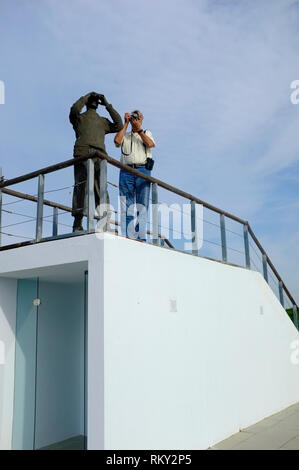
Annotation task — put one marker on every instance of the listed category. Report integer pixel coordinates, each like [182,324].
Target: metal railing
[157,237]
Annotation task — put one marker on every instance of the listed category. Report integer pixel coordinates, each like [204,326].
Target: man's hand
[127,117]
[120,135]
[103,100]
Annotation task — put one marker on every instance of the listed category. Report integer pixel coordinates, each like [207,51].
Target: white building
[136,346]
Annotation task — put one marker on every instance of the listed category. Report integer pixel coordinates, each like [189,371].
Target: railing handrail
[255,239]
[43,171]
[116,163]
[167,186]
[67,163]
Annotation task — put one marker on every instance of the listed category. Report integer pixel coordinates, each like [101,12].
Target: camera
[134,115]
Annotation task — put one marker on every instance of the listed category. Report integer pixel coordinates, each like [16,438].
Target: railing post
[280,287]
[40,208]
[194,228]
[103,193]
[246,244]
[223,238]
[90,194]
[1,177]
[265,267]
[55,222]
[155,214]
[295,312]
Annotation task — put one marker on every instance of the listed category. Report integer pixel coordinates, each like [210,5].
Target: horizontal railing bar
[44,171]
[28,197]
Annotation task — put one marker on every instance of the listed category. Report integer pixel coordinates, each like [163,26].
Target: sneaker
[77,225]
[112,229]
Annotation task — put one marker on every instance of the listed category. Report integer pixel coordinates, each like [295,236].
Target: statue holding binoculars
[90,129]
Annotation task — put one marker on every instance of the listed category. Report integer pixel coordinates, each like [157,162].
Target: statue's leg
[97,194]
[80,174]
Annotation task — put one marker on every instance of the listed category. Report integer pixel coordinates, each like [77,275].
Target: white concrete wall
[95,403]
[182,351]
[194,350]
[32,261]
[8,294]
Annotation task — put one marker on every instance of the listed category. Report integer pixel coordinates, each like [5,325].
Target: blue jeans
[134,189]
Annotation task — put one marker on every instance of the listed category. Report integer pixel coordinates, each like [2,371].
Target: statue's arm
[77,108]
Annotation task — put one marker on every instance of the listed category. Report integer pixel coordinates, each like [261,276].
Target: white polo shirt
[133,150]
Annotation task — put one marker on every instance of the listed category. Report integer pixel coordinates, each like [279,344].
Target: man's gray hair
[136,111]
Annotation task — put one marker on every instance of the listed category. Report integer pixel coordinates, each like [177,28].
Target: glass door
[50,382]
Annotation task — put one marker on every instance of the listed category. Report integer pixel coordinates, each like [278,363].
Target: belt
[134,165]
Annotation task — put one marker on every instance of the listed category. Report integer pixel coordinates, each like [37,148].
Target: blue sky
[212,78]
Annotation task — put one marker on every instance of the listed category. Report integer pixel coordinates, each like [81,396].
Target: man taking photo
[136,153]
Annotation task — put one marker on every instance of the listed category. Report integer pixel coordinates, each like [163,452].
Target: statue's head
[93,102]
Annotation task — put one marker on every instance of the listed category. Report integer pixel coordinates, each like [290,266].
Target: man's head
[93,101]
[134,117]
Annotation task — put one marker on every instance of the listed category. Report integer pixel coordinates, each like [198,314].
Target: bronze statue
[90,129]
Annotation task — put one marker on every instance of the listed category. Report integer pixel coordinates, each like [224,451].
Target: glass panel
[60,389]
[25,365]
[50,384]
